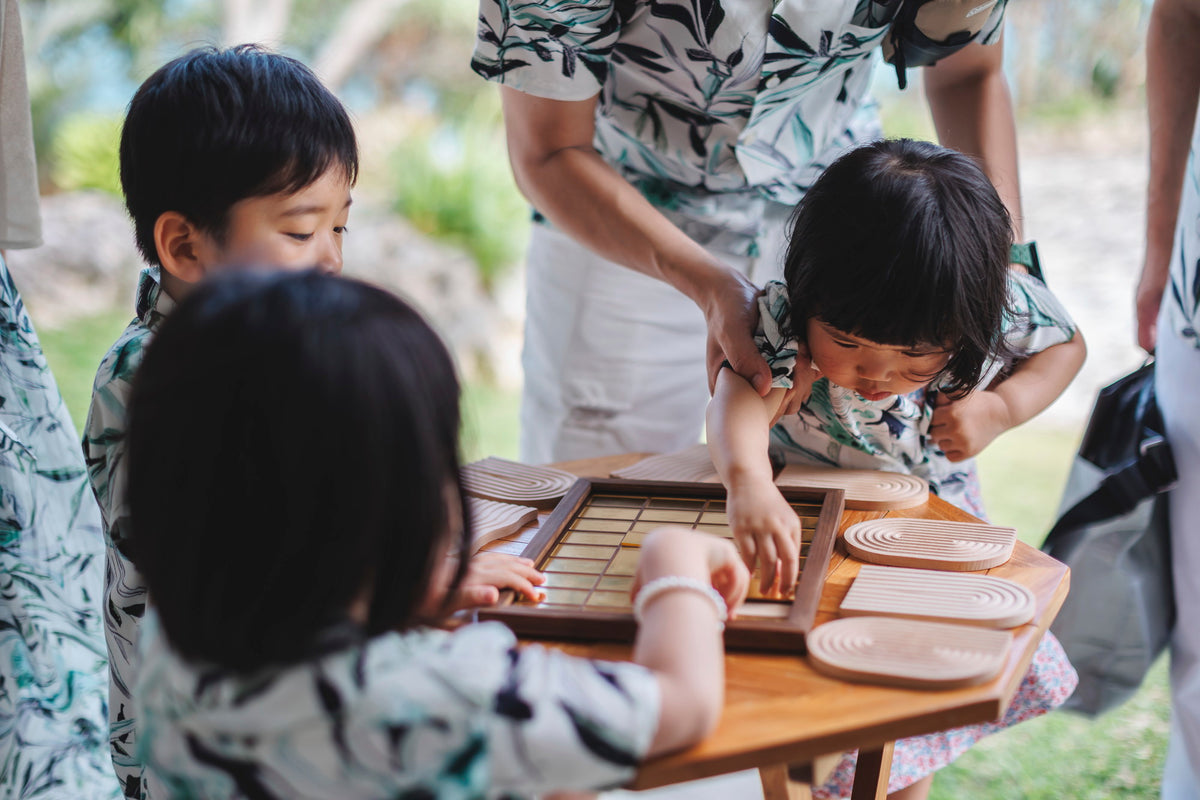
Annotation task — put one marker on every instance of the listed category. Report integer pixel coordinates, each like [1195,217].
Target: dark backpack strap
[1120,492]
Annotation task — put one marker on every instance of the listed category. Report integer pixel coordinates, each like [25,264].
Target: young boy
[228,157]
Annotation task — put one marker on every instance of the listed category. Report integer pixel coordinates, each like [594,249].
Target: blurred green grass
[1056,757]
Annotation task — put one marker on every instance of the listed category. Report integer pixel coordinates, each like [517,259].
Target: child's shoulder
[123,357]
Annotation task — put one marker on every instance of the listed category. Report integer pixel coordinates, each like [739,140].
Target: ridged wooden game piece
[491,520]
[931,543]
[866,489]
[512,482]
[691,465]
[907,653]
[980,600]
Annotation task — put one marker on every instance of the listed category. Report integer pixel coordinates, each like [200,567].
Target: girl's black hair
[904,242]
[214,127]
[292,448]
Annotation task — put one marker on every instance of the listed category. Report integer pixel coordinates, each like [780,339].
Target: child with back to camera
[303,668]
[914,345]
[228,157]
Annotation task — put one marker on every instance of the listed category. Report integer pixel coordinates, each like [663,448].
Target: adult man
[670,140]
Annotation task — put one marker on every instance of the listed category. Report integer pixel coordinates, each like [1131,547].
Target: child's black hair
[216,126]
[292,451]
[904,242]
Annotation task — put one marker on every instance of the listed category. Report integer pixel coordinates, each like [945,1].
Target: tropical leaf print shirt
[711,108]
[53,679]
[1182,296]
[104,452]
[838,427]
[421,714]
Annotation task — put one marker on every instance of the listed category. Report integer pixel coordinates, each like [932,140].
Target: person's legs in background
[1178,389]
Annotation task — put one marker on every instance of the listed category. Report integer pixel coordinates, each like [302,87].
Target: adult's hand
[1147,302]
[731,313]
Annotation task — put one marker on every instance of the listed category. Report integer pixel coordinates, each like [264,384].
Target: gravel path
[1085,207]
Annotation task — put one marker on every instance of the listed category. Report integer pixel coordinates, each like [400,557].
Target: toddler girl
[294,560]
[914,345]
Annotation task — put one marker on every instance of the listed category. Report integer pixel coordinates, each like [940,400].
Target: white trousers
[1177,385]
[614,361]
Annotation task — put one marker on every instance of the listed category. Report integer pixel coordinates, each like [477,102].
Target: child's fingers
[748,547]
[789,559]
[477,595]
[768,559]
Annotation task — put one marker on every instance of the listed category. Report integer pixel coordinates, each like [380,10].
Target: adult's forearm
[1172,86]
[589,201]
[972,111]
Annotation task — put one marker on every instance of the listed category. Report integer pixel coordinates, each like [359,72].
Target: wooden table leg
[871,774]
[776,784]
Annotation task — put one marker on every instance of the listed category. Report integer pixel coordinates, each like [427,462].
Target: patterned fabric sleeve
[1037,321]
[124,590]
[995,24]
[771,335]
[554,50]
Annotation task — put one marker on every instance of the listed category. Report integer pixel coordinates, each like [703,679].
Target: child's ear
[180,245]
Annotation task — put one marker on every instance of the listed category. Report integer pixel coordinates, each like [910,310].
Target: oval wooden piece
[866,489]
[924,594]
[492,520]
[693,465]
[930,543]
[512,482]
[907,653]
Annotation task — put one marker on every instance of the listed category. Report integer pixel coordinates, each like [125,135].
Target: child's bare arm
[679,637]
[962,428]
[765,527]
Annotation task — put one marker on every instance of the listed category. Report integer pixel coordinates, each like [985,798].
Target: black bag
[926,31]
[1113,533]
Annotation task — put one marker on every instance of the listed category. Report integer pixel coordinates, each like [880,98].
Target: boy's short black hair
[217,126]
[293,450]
[904,242]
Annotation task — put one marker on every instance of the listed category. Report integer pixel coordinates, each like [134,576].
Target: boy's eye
[847,345]
[300,237]
[341,230]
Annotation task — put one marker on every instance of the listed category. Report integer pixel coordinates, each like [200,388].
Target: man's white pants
[1177,386]
[614,361]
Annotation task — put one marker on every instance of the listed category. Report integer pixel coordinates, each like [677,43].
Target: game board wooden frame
[775,634]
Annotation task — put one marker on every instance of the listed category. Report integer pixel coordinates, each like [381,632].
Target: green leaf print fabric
[420,714]
[53,686]
[711,108]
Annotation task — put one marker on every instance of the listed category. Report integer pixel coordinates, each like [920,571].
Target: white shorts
[1177,385]
[614,361]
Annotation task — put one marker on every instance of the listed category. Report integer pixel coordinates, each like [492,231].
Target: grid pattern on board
[593,564]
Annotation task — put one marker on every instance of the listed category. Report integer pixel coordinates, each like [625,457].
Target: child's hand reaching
[679,551]
[963,427]
[767,531]
[488,573]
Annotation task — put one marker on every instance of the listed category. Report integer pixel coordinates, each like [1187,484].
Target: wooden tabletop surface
[778,710]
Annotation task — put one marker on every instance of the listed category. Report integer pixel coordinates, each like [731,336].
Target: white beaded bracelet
[670,583]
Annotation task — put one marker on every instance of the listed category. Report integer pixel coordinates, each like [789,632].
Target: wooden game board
[589,548]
